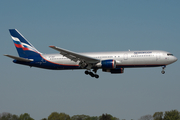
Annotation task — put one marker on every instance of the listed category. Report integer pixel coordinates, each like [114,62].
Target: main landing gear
[163,68]
[91,73]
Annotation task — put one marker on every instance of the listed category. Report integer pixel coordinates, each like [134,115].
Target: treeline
[63,116]
[168,115]
[56,116]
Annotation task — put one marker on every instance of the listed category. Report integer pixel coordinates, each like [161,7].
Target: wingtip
[12,29]
[52,46]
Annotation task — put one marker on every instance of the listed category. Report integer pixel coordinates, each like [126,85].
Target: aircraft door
[125,56]
[158,56]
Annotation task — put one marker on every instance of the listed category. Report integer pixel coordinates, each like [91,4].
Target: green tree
[114,118]
[58,116]
[25,116]
[80,117]
[64,116]
[8,116]
[94,118]
[15,117]
[44,119]
[53,116]
[172,115]
[105,117]
[146,117]
[158,116]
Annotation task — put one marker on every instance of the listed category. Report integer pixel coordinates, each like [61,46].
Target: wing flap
[19,58]
[75,56]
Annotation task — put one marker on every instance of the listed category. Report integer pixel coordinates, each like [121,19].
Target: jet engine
[111,64]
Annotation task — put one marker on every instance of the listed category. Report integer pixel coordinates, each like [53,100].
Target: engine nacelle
[114,71]
[117,70]
[111,64]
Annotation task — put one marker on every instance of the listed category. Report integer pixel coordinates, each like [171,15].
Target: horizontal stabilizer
[19,58]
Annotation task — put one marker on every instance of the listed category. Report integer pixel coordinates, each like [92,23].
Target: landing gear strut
[163,68]
[91,73]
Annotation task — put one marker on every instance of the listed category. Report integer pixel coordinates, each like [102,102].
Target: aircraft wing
[75,56]
[19,58]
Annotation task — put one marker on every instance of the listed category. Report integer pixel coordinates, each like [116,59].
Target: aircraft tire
[162,72]
[86,72]
[96,76]
[91,74]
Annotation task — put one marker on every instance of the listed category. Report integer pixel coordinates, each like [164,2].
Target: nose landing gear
[163,68]
[92,74]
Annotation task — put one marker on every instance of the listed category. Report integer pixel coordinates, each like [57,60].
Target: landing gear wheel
[86,72]
[96,76]
[163,68]
[91,74]
[162,72]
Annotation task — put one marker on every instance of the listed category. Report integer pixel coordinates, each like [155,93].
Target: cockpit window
[169,54]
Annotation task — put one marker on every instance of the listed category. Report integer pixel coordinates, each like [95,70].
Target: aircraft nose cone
[175,59]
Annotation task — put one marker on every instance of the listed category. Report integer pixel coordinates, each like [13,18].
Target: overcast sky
[89,26]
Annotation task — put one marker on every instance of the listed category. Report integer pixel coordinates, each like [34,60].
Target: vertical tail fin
[24,48]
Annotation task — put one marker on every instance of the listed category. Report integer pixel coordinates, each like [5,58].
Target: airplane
[113,62]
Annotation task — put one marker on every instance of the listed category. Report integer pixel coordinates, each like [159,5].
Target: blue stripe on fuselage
[42,63]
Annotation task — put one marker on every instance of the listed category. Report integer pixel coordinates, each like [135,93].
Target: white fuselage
[124,59]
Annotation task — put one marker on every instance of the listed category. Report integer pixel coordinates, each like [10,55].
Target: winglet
[52,46]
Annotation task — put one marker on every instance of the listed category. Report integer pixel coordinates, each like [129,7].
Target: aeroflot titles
[142,52]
